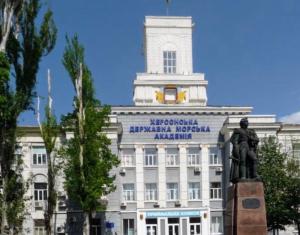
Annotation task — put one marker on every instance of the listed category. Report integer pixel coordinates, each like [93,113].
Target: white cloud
[291,118]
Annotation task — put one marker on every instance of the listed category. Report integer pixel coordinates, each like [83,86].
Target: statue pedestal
[245,210]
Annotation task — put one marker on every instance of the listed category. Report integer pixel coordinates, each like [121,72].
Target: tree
[49,130]
[271,164]
[293,191]
[280,186]
[8,16]
[89,159]
[22,45]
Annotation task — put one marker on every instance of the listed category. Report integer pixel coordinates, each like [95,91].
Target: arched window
[40,188]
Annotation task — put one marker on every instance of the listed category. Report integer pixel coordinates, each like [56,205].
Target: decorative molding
[181,109]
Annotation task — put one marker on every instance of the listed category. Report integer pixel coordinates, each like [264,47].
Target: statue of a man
[244,157]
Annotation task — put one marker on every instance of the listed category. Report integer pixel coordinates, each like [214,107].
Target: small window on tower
[170,95]
[169,61]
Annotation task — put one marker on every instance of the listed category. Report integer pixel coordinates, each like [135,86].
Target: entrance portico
[186,221]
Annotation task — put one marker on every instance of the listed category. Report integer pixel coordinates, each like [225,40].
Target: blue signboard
[183,213]
[109,225]
[170,129]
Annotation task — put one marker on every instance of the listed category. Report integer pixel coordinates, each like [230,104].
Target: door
[195,225]
[195,229]
[173,229]
[151,229]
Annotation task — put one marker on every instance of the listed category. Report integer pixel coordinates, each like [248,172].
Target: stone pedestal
[245,210]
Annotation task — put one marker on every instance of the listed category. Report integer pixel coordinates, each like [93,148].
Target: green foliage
[26,51]
[293,192]
[17,188]
[49,131]
[280,186]
[18,70]
[85,183]
[73,56]
[272,171]
[4,81]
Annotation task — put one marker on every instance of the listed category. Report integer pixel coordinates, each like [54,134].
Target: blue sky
[248,50]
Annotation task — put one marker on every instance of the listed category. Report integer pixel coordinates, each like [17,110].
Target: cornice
[26,130]
[285,127]
[257,122]
[35,130]
[256,126]
[171,76]
[174,81]
[176,109]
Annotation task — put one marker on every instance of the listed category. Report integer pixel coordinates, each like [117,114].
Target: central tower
[169,77]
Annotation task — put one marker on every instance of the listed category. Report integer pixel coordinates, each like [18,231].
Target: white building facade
[174,149]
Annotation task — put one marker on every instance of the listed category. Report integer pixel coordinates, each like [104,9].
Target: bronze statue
[244,157]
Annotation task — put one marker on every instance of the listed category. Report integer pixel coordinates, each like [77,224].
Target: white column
[183,175]
[139,176]
[205,186]
[205,174]
[140,223]
[161,156]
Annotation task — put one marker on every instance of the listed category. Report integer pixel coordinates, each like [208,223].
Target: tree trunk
[4,224]
[7,159]
[298,227]
[81,119]
[4,135]
[47,215]
[6,26]
[80,116]
[51,200]
[86,224]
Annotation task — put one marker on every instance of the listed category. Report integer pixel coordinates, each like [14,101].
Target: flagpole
[167,8]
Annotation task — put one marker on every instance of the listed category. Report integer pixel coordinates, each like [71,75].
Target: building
[174,149]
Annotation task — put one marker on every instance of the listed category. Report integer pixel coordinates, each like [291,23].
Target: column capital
[160,146]
[139,146]
[182,146]
[204,146]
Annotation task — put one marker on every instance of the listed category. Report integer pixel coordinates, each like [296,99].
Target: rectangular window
[215,190]
[170,95]
[172,191]
[128,192]
[169,61]
[194,157]
[39,159]
[39,230]
[39,156]
[95,227]
[215,157]
[216,224]
[128,226]
[150,157]
[128,157]
[296,153]
[194,191]
[151,192]
[18,152]
[172,158]
[40,191]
